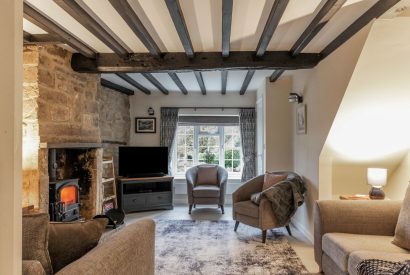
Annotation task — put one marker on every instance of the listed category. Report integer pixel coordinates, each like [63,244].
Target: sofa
[131,250]
[348,232]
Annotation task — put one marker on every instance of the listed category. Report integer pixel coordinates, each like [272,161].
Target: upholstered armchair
[247,212]
[206,184]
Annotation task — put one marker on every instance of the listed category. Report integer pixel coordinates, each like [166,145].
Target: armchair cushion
[69,241]
[206,191]
[271,179]
[35,240]
[207,175]
[338,246]
[402,231]
[247,208]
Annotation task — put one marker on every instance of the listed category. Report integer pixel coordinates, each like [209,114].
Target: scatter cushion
[256,198]
[35,240]
[271,179]
[69,241]
[402,232]
[206,191]
[207,175]
[376,266]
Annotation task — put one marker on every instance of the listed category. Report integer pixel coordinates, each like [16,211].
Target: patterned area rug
[212,247]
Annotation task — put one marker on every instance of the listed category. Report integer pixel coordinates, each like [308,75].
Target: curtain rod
[222,108]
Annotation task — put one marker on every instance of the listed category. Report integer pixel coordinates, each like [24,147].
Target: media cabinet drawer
[160,198]
[132,202]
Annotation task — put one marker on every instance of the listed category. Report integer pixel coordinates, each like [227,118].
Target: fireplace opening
[68,195]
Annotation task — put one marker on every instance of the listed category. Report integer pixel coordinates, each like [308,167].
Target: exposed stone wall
[62,106]
[114,110]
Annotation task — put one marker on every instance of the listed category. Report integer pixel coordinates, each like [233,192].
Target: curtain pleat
[247,122]
[169,122]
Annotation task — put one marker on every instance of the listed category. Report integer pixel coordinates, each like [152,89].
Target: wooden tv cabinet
[141,194]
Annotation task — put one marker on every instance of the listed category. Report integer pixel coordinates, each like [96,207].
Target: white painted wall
[399,180]
[139,104]
[323,88]
[11,71]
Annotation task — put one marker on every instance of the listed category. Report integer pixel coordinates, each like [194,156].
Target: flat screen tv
[137,162]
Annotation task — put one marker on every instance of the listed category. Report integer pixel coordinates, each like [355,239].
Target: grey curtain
[169,122]
[247,122]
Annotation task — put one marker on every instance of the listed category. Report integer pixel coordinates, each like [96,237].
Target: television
[137,162]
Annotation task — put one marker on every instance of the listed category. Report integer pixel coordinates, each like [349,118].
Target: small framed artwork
[145,125]
[301,119]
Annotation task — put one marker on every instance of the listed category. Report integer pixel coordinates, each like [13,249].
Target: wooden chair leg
[236,226]
[190,209]
[222,209]
[288,229]
[263,236]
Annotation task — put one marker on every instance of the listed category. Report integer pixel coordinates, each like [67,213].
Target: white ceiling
[204,20]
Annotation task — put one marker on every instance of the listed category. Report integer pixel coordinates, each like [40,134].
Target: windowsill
[233,177]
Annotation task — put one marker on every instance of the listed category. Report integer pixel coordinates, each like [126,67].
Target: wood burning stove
[64,196]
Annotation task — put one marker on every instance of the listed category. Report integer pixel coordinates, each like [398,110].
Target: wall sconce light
[151,111]
[377,178]
[294,97]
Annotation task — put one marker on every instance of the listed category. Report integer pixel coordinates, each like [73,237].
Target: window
[200,144]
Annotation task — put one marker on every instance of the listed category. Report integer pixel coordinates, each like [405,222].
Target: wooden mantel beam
[202,61]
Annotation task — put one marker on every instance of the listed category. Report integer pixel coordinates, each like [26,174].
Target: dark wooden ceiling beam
[156,83]
[375,11]
[275,75]
[44,38]
[205,61]
[41,20]
[246,81]
[200,80]
[89,20]
[178,82]
[226,26]
[177,16]
[116,87]
[125,10]
[224,80]
[319,21]
[272,23]
[134,83]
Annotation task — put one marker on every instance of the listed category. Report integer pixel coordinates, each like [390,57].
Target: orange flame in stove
[68,195]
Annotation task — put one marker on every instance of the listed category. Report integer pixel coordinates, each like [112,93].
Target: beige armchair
[249,213]
[206,184]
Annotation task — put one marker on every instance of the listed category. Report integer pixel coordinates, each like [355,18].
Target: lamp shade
[377,177]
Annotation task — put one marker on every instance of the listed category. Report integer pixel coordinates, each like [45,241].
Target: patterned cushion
[402,233]
[256,198]
[271,179]
[380,267]
[35,240]
[69,241]
[207,175]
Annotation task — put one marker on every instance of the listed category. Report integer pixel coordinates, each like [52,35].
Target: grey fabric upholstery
[247,212]
[206,194]
[346,232]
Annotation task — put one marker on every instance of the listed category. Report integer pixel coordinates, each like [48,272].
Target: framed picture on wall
[145,125]
[301,119]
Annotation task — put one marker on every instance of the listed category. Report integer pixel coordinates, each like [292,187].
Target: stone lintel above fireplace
[69,145]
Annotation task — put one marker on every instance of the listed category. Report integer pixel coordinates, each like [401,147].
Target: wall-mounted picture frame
[301,119]
[145,125]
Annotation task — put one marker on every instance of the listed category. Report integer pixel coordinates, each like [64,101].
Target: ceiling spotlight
[294,97]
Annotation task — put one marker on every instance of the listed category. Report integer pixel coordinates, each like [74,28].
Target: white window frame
[221,130]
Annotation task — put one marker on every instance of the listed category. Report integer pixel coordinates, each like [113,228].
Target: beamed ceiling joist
[134,83]
[39,39]
[178,82]
[116,87]
[224,81]
[130,17]
[41,20]
[202,61]
[177,16]
[226,26]
[156,83]
[200,80]
[375,11]
[89,20]
[246,81]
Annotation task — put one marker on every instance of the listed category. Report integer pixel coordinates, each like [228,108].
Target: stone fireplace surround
[67,110]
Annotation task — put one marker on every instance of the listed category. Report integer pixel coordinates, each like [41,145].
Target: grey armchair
[206,184]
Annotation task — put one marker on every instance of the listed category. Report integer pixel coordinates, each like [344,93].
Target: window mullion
[221,146]
[196,149]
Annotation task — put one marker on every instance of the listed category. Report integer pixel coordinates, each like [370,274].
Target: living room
[317,89]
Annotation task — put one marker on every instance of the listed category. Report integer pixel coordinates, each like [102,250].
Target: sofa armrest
[250,187]
[129,251]
[356,217]
[32,267]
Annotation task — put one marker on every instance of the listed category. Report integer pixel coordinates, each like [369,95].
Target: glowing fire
[68,195]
